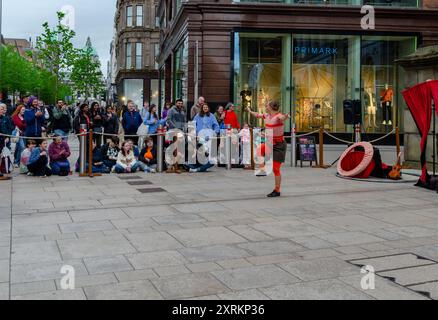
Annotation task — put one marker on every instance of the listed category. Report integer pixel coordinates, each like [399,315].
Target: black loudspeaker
[352,112]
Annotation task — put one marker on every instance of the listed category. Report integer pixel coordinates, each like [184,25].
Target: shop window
[382,81]
[155,92]
[258,73]
[324,73]
[133,90]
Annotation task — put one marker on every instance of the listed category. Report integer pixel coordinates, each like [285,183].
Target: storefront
[312,74]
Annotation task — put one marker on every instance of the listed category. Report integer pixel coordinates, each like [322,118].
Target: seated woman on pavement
[126,162]
[97,161]
[203,163]
[59,152]
[110,151]
[39,160]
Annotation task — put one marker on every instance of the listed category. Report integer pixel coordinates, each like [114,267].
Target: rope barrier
[385,136]
[336,138]
[48,137]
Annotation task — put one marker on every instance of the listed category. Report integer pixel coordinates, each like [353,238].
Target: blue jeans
[57,166]
[120,169]
[19,148]
[201,168]
[61,133]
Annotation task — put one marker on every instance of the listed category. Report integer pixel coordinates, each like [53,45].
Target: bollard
[90,154]
[321,149]
[293,143]
[251,130]
[160,149]
[82,148]
[228,152]
[357,128]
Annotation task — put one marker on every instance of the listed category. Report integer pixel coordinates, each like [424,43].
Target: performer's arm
[254,114]
[284,117]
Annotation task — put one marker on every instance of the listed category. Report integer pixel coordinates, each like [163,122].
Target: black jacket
[79,119]
[111,125]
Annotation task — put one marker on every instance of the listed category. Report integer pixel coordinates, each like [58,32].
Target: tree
[56,51]
[86,74]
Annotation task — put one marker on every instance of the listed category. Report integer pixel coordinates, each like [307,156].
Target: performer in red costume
[274,120]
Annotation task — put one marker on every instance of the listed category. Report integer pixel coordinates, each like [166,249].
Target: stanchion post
[90,153]
[293,143]
[251,130]
[397,140]
[321,149]
[82,148]
[160,149]
[228,150]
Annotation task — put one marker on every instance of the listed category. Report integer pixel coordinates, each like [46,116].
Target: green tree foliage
[86,74]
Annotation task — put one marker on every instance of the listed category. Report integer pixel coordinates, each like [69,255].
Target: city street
[216,236]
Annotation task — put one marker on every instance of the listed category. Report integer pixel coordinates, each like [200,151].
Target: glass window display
[181,72]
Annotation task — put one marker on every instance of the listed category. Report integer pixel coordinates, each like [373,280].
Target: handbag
[16,135]
[143,130]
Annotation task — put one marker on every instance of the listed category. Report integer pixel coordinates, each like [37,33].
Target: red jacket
[20,124]
[231,119]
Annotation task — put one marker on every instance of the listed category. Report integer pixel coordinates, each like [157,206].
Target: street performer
[274,120]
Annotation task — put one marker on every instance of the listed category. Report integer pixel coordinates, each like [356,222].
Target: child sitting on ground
[110,151]
[148,156]
[25,155]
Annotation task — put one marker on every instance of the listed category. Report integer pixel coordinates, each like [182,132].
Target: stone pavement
[216,236]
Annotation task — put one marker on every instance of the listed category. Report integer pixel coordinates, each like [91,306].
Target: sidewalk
[216,236]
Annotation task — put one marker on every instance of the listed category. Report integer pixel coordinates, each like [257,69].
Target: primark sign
[315,51]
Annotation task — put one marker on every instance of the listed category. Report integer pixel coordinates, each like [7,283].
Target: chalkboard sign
[306,150]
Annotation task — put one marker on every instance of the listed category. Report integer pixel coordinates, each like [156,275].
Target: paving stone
[97,215]
[100,246]
[203,267]
[213,253]
[248,295]
[90,234]
[80,227]
[31,231]
[384,289]
[44,271]
[271,247]
[206,236]
[312,242]
[77,294]
[28,253]
[392,262]
[20,289]
[92,280]
[413,276]
[414,231]
[315,254]
[171,271]
[128,276]
[178,219]
[249,233]
[349,238]
[350,250]
[41,219]
[148,211]
[234,264]
[5,253]
[133,223]
[4,291]
[188,286]
[430,252]
[316,290]
[318,269]
[287,229]
[4,270]
[156,259]
[270,259]
[254,277]
[107,264]
[430,289]
[155,241]
[356,222]
[140,290]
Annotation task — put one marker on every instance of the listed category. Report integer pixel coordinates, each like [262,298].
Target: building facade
[136,47]
[309,55]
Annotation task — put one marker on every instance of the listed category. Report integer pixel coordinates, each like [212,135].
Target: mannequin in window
[371,107]
[246,97]
[386,97]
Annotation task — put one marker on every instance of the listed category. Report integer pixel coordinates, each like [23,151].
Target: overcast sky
[94,18]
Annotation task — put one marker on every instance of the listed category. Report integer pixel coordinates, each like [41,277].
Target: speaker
[352,112]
